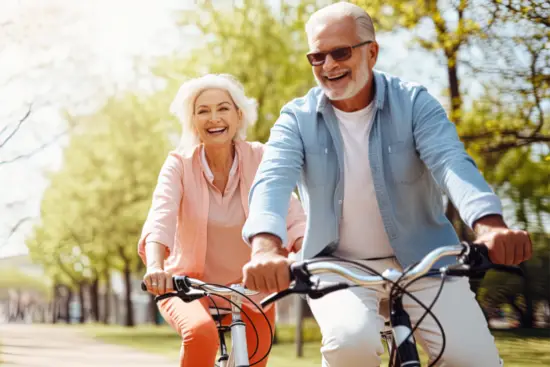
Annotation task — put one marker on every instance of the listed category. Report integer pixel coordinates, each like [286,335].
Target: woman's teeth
[216,130]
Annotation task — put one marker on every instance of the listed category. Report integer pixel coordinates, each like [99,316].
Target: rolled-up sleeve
[275,179]
[453,169]
[160,225]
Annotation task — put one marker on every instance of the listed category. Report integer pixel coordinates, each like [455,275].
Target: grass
[518,348]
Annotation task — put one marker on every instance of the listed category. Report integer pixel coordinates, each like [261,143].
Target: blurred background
[84,128]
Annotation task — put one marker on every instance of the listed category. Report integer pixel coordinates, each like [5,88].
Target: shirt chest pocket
[405,164]
[315,166]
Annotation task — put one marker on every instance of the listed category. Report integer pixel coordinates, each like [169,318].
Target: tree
[93,212]
[263,48]
[463,27]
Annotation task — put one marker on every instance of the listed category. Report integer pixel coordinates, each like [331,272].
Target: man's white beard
[353,87]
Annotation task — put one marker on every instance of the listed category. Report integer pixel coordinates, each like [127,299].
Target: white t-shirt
[362,232]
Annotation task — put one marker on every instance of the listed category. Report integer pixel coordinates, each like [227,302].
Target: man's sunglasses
[338,54]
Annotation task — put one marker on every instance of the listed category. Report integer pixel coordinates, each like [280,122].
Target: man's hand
[267,271]
[506,246]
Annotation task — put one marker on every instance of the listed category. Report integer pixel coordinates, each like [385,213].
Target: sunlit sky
[71,54]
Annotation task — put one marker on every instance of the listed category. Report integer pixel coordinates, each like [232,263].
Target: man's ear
[373,52]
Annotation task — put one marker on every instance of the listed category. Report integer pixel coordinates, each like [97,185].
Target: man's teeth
[331,77]
[216,130]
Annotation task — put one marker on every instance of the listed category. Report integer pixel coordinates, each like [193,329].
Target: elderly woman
[198,209]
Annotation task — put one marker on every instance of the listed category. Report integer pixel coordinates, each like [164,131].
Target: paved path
[47,346]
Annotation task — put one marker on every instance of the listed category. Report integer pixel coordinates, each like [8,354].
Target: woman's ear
[240,114]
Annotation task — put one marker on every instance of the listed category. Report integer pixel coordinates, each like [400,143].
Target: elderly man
[370,153]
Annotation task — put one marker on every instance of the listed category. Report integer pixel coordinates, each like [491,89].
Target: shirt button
[326,150]
[340,202]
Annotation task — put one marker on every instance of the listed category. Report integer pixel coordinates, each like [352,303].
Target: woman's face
[216,119]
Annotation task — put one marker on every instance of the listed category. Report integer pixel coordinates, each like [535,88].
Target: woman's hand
[158,281]
[298,245]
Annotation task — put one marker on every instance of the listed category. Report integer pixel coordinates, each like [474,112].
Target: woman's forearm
[155,253]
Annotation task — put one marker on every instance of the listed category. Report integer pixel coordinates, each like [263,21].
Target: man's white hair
[183,106]
[340,10]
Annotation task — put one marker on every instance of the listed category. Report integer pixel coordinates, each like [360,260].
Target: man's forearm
[266,242]
[489,222]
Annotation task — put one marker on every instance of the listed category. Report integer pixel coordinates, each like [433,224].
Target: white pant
[350,323]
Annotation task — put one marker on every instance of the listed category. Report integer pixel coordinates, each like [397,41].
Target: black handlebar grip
[291,273]
[296,268]
[480,250]
[478,257]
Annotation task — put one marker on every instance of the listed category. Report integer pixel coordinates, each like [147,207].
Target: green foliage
[263,48]
[93,211]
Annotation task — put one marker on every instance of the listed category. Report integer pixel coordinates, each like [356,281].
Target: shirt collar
[208,171]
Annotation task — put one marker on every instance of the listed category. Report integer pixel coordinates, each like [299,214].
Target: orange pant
[200,340]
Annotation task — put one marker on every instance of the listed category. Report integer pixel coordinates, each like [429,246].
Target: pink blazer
[179,221]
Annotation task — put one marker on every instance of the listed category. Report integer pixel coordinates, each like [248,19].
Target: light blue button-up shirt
[415,155]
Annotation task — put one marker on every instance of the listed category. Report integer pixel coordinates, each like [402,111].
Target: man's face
[340,80]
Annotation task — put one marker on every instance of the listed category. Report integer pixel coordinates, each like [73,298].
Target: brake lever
[321,292]
[190,296]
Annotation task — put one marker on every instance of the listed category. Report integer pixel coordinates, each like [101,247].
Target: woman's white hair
[365,27]
[183,106]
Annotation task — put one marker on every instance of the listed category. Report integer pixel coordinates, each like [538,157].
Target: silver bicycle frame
[238,356]
[239,349]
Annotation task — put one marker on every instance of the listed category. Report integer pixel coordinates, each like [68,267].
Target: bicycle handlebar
[473,260]
[390,274]
[183,284]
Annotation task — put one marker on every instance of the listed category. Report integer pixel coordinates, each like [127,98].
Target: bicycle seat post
[238,328]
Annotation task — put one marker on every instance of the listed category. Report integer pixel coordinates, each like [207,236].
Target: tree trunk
[94,299]
[546,265]
[129,320]
[82,301]
[454,89]
[116,309]
[107,300]
[55,303]
[53,311]
[153,310]
[67,305]
[527,319]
